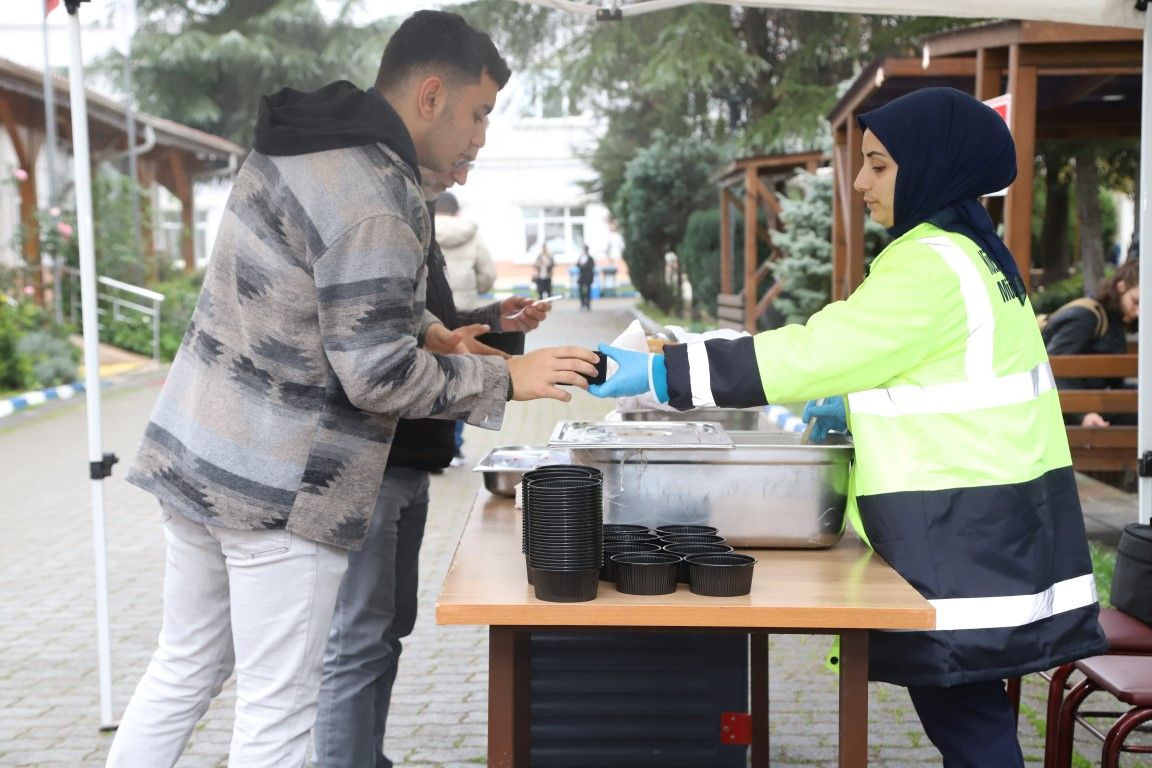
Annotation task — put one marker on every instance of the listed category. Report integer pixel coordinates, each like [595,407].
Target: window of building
[561,227]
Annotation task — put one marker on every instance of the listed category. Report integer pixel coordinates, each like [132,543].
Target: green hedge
[33,353]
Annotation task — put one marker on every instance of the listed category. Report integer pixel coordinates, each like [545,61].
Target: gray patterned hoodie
[302,352]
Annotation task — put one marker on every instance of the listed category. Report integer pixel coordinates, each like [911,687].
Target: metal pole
[50,159]
[130,120]
[98,466]
[1144,366]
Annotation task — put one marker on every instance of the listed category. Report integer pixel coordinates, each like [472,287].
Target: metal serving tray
[744,419]
[768,490]
[504,465]
[665,435]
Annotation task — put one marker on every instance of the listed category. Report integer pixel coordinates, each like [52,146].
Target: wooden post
[855,219]
[725,241]
[509,708]
[750,208]
[1018,204]
[26,147]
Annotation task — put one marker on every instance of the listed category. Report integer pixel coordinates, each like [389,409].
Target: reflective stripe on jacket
[962,478]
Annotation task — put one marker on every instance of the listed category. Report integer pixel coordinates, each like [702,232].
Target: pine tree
[805,268]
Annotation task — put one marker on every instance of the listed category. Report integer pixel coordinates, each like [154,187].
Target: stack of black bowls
[563,531]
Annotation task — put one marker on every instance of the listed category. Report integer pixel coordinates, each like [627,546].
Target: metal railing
[116,301]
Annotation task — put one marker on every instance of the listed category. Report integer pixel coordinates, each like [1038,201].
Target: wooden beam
[182,189]
[990,65]
[1093,366]
[767,299]
[1005,33]
[725,240]
[1018,204]
[839,212]
[855,210]
[750,207]
[1081,55]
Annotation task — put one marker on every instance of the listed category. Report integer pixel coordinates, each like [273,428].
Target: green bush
[1056,294]
[664,183]
[33,354]
[51,356]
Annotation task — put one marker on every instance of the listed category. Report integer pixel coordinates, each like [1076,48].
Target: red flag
[49,5]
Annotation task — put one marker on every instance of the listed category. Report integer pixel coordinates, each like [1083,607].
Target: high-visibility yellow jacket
[962,478]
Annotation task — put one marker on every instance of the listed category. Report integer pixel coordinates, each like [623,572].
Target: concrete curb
[11,405]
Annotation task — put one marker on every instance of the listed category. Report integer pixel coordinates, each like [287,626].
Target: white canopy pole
[99,467]
[1144,366]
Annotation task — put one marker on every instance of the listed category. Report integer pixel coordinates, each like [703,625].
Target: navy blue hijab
[951,149]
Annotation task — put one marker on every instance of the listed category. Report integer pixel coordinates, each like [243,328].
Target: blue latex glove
[639,372]
[829,417]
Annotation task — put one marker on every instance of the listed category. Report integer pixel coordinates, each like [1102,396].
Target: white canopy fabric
[1105,13]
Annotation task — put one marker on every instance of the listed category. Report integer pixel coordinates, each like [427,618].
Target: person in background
[1097,326]
[586,266]
[268,443]
[962,479]
[542,272]
[377,604]
[471,270]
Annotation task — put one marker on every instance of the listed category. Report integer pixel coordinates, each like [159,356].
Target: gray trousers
[375,609]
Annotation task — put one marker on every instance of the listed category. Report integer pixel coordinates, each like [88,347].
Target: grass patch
[1103,565]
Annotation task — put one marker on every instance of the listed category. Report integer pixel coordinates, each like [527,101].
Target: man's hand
[528,313]
[441,341]
[477,347]
[539,373]
[1094,420]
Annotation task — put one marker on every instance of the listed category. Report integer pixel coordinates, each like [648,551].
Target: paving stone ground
[49,693]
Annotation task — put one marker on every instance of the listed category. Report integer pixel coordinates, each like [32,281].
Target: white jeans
[261,601]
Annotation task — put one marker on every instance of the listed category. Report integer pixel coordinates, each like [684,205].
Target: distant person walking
[587,273]
[542,275]
[471,270]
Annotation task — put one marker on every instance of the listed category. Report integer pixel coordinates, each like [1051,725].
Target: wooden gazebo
[1066,81]
[751,185]
[176,154]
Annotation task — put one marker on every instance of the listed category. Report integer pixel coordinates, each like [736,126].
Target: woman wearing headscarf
[962,479]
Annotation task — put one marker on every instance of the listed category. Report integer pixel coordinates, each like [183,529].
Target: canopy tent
[1116,13]
[1108,13]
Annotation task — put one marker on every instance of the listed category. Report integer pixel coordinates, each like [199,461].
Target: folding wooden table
[846,590]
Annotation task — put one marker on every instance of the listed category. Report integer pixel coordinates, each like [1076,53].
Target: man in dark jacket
[377,604]
[268,443]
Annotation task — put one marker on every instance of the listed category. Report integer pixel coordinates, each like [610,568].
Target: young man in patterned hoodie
[267,445]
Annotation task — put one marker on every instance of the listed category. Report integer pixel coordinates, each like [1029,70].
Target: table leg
[854,698]
[509,704]
[758,690]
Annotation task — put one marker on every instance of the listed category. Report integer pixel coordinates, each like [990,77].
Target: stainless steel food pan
[743,419]
[768,490]
[504,465]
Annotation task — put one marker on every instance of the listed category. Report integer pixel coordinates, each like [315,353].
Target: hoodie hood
[337,116]
[453,231]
